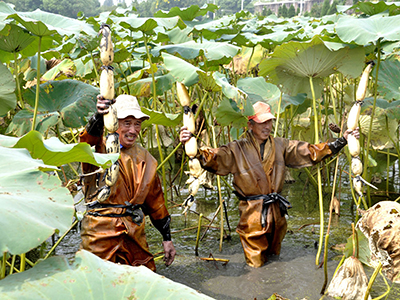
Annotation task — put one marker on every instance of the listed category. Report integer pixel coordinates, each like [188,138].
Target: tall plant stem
[37,86]
[95,69]
[125,78]
[220,198]
[378,46]
[152,73]
[162,159]
[372,280]
[277,115]
[22,262]
[16,69]
[321,203]
[60,239]
[198,236]
[3,266]
[251,56]
[328,231]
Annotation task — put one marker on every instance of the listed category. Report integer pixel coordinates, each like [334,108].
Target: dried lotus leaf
[381,225]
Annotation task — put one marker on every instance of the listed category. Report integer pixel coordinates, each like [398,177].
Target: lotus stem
[198,236]
[215,259]
[378,46]
[22,262]
[37,86]
[16,69]
[169,156]
[248,63]
[321,204]
[372,280]
[162,159]
[209,225]
[3,266]
[277,115]
[13,264]
[60,239]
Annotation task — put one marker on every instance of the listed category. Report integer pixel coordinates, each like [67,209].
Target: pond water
[292,275]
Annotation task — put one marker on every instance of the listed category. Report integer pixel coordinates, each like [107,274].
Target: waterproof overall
[119,239]
[255,176]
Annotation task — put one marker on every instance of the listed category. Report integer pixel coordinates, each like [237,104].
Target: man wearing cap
[114,229]
[258,163]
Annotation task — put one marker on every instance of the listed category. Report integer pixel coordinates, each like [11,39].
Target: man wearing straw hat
[258,163]
[114,229]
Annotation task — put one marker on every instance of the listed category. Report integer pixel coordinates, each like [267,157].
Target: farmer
[258,163]
[115,229]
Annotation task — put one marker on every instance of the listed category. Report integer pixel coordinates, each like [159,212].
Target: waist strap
[284,205]
[131,210]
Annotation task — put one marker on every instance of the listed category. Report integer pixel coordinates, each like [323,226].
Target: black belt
[131,210]
[284,205]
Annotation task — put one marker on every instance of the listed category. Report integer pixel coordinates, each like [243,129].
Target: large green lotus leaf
[207,82]
[144,87]
[230,91]
[392,109]
[20,126]
[383,132]
[149,25]
[181,70]
[46,43]
[257,89]
[228,113]
[44,23]
[91,277]
[160,118]
[218,53]
[53,152]
[15,39]
[34,205]
[8,99]
[389,79]
[293,63]
[187,13]
[368,30]
[73,99]
[66,66]
[179,36]
[5,10]
[223,22]
[372,8]
[83,67]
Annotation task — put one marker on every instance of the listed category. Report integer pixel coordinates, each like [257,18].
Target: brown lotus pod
[381,225]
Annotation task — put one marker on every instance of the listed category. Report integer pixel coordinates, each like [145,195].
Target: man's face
[261,131]
[128,131]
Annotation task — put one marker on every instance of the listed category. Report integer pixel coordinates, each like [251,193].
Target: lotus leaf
[54,152]
[294,63]
[159,118]
[215,53]
[181,70]
[372,8]
[15,39]
[188,13]
[368,30]
[388,79]
[43,23]
[90,277]
[19,125]
[381,225]
[8,100]
[144,87]
[72,99]
[33,203]
[228,113]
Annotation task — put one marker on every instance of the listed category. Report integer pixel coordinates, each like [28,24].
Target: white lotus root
[381,225]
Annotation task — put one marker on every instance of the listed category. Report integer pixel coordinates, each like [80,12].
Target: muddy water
[293,275]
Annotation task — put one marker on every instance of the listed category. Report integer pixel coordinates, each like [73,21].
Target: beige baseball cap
[128,105]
